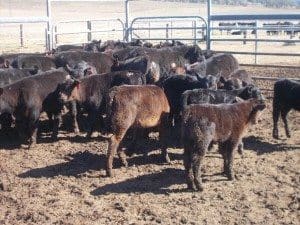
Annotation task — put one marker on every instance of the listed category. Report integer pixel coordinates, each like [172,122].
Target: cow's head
[80,70]
[69,90]
[193,54]
[225,84]
[212,82]
[251,91]
[94,46]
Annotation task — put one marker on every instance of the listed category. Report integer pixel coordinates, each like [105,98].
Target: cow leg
[276,112]
[131,148]
[113,146]
[241,148]
[92,114]
[229,146]
[6,121]
[188,169]
[50,119]
[284,119]
[196,166]
[222,150]
[122,157]
[57,120]
[33,127]
[164,134]
[74,116]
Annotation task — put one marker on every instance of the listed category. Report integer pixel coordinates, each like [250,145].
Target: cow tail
[110,107]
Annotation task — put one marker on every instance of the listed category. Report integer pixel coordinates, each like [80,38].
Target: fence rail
[89,28]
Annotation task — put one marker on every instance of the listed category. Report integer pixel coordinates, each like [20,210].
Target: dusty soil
[64,183]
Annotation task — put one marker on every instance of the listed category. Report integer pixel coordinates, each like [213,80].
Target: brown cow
[130,106]
[204,124]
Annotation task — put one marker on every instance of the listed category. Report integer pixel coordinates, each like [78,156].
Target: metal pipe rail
[256,40]
[248,17]
[170,39]
[23,20]
[169,28]
[87,31]
[286,28]
[259,53]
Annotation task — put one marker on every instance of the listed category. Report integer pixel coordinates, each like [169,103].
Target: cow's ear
[1,91]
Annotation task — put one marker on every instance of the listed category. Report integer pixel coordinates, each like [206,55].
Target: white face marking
[129,74]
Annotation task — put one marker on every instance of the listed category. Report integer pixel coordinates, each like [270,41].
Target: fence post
[195,32]
[149,26]
[21,35]
[256,35]
[47,41]
[245,36]
[89,27]
[55,36]
[167,31]
[208,44]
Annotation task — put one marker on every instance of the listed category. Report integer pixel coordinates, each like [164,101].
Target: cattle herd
[137,88]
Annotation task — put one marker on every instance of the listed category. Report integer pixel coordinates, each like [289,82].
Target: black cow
[27,98]
[174,86]
[286,97]
[164,57]
[89,93]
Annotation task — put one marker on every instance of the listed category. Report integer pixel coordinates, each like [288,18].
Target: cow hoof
[109,173]
[54,138]
[190,188]
[200,188]
[107,135]
[88,136]
[25,146]
[230,177]
[275,135]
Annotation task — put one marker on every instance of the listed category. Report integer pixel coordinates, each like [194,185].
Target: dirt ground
[63,182]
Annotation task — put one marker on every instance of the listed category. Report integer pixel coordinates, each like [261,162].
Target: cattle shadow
[9,139]
[260,146]
[156,183]
[85,161]
[78,163]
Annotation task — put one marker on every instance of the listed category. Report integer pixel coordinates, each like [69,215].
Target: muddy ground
[64,183]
